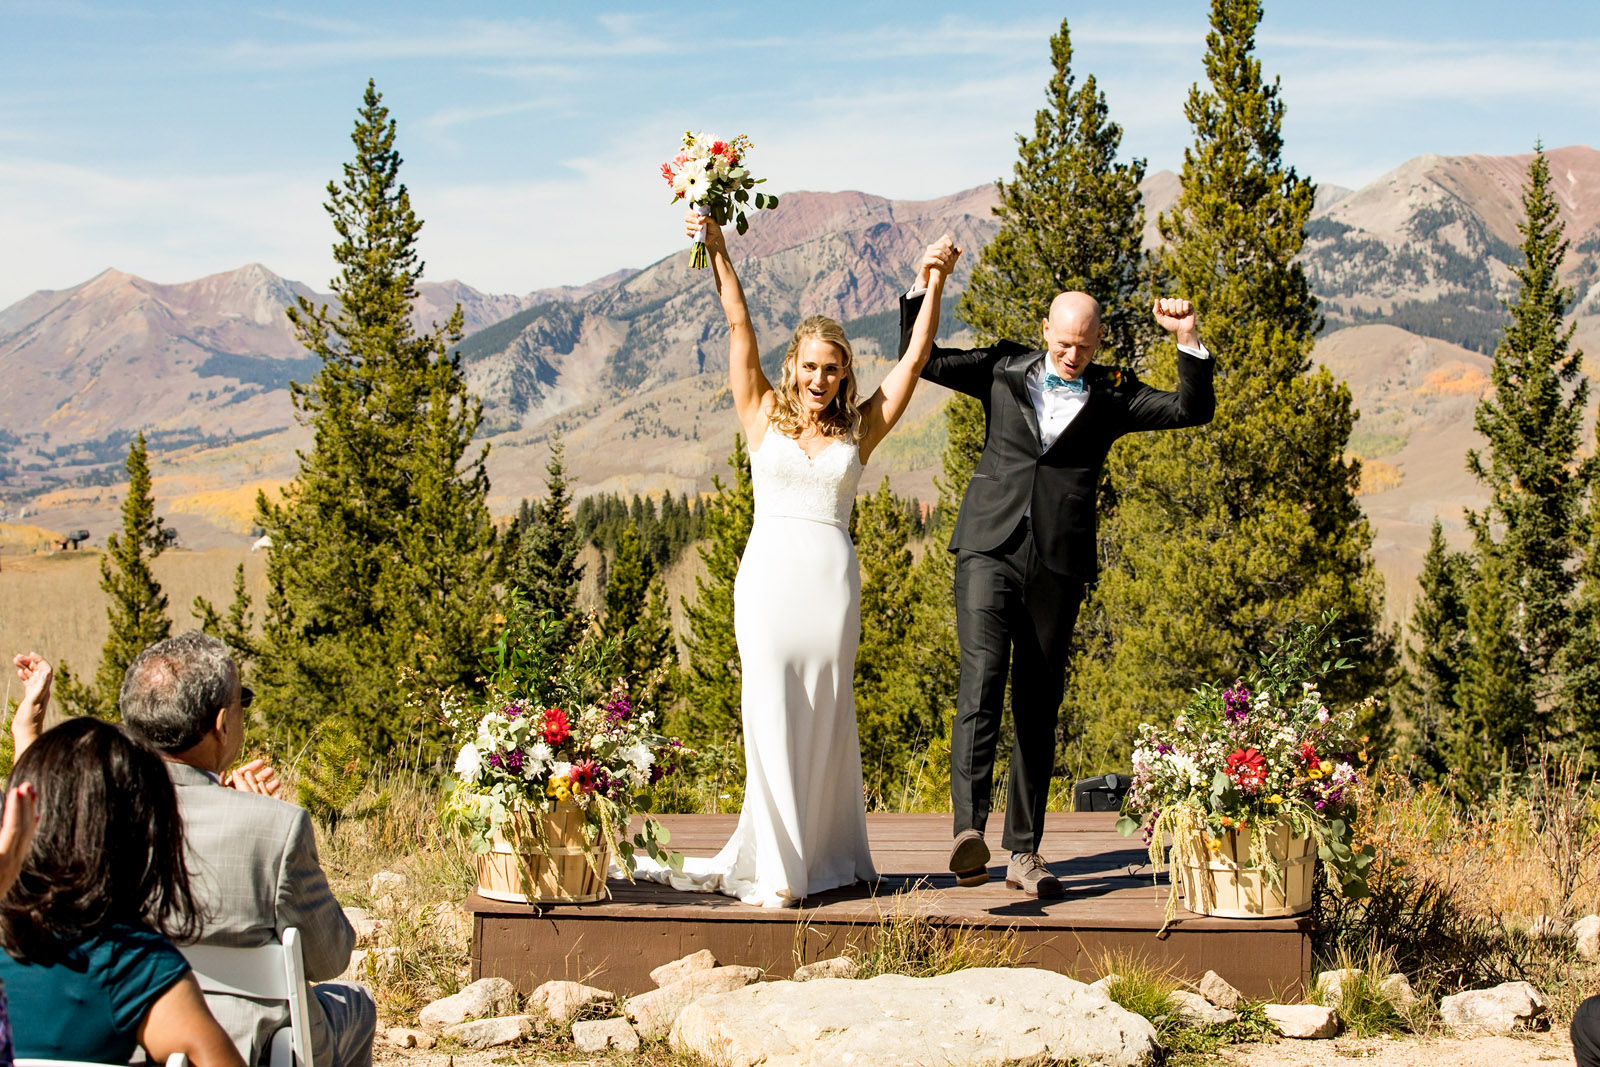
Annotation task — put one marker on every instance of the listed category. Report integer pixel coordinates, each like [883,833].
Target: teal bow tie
[1052,380]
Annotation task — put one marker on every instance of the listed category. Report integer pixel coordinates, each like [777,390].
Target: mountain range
[629,368]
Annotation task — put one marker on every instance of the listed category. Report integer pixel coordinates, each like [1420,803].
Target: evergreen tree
[711,682]
[1436,652]
[637,617]
[1070,219]
[384,558]
[1497,697]
[234,628]
[545,572]
[1533,523]
[1224,535]
[136,608]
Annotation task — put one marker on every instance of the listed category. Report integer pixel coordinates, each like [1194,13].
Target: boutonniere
[1114,376]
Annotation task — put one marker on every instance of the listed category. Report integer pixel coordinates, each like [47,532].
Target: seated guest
[255,858]
[89,969]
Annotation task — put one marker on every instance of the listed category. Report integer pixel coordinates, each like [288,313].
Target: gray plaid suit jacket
[255,869]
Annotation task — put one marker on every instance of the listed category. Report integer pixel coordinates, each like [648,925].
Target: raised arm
[884,408]
[28,722]
[748,384]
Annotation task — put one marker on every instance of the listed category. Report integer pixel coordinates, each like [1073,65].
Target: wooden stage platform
[1110,905]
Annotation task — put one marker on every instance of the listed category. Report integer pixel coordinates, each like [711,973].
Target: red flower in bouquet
[583,776]
[556,727]
[1247,768]
[1308,753]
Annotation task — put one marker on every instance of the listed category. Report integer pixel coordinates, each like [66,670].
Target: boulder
[453,924]
[362,922]
[1103,983]
[1503,1009]
[837,967]
[1548,927]
[990,1016]
[560,1000]
[385,882]
[1308,1022]
[678,970]
[1197,1012]
[400,1037]
[1330,984]
[597,1035]
[1396,989]
[1586,934]
[1217,990]
[491,1033]
[483,998]
[653,1012]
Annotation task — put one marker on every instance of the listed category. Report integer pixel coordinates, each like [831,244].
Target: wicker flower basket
[514,869]
[1222,881]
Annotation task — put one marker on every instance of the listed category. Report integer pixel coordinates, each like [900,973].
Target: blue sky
[173,140]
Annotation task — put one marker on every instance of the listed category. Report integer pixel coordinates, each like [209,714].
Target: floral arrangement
[519,756]
[711,175]
[1265,751]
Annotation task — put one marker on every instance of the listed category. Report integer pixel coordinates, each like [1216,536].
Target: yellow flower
[1313,774]
[1213,844]
[1275,799]
[1325,767]
[558,787]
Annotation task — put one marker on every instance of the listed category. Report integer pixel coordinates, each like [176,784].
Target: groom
[1025,543]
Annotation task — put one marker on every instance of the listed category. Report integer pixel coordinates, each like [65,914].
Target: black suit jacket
[1058,487]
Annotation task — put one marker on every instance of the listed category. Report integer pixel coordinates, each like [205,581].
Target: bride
[797,599]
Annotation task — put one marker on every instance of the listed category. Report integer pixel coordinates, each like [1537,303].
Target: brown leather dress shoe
[1028,873]
[969,858]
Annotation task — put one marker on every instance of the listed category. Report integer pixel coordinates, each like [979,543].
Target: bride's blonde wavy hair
[842,417]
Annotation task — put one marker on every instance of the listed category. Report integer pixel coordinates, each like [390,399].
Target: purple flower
[512,710]
[496,760]
[618,709]
[1236,703]
[1163,749]
[514,760]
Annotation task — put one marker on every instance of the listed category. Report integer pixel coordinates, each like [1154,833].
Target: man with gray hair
[254,858]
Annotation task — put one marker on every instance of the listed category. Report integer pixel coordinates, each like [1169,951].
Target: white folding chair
[268,972]
[177,1059]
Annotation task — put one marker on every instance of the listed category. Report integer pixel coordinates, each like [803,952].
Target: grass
[1364,1008]
[1147,989]
[906,940]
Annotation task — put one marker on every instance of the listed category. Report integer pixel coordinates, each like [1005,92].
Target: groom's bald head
[1072,332]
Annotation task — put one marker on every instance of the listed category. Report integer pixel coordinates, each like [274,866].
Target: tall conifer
[1224,535]
[638,618]
[711,682]
[136,607]
[545,572]
[1436,652]
[384,559]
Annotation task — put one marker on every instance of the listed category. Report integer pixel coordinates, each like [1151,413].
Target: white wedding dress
[797,619]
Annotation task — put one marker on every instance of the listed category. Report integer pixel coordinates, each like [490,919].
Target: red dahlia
[1248,769]
[556,727]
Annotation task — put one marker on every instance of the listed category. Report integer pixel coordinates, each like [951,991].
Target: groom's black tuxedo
[1025,548]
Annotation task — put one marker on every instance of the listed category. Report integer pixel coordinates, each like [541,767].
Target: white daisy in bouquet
[712,176]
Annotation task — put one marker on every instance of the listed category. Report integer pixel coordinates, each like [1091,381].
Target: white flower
[639,756]
[534,758]
[1322,715]
[694,181]
[560,769]
[468,762]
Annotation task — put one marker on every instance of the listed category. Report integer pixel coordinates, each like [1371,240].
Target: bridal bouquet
[533,744]
[712,177]
[1265,751]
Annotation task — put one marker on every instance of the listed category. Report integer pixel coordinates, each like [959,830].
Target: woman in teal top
[89,970]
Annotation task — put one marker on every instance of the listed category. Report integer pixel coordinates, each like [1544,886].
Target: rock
[485,997]
[653,1012]
[837,967]
[990,1016]
[597,1035]
[1586,933]
[560,1001]
[1103,983]
[400,1037]
[453,923]
[1311,1022]
[1504,1009]
[1330,984]
[1196,1011]
[362,922]
[1216,989]
[490,1033]
[386,882]
[678,970]
[1396,989]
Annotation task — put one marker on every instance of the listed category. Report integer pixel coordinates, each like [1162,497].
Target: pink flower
[583,776]
[666,172]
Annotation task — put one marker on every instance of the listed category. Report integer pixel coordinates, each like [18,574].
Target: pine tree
[384,558]
[637,618]
[1070,219]
[1497,697]
[1436,653]
[711,682]
[234,628]
[1224,535]
[545,572]
[1533,524]
[136,608]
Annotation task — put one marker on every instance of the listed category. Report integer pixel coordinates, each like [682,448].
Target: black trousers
[1014,616]
[1586,1033]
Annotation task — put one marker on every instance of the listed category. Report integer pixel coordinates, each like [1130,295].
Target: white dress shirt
[1056,408]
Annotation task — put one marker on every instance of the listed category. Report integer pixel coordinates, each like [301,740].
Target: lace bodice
[788,483]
